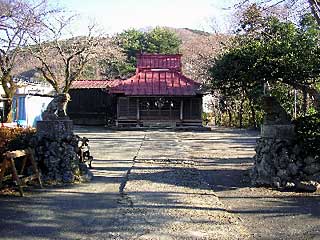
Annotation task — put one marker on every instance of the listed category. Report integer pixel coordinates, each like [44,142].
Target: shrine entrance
[159,111]
[159,108]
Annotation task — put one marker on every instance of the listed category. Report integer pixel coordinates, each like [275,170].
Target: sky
[117,15]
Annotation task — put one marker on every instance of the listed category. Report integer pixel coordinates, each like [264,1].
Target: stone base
[278,131]
[54,128]
[284,164]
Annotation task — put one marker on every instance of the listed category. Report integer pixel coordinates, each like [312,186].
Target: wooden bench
[9,163]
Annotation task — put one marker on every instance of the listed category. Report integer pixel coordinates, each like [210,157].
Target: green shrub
[308,133]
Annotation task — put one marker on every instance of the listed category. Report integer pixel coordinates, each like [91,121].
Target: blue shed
[27,109]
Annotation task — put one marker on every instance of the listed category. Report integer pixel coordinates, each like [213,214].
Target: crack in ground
[125,199]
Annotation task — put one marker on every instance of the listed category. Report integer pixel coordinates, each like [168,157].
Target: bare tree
[198,53]
[62,56]
[16,18]
[198,48]
[296,6]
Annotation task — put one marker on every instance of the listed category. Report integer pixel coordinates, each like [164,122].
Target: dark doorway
[159,108]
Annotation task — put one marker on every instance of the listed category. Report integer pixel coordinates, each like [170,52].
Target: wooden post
[34,166]
[170,111]
[181,110]
[201,108]
[118,108]
[138,113]
[15,177]
[152,82]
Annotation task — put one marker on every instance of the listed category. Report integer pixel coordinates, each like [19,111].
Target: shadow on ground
[87,212]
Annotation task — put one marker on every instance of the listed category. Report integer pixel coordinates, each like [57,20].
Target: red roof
[84,84]
[156,75]
[159,61]
[149,83]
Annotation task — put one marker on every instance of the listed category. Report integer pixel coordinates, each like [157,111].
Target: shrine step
[159,124]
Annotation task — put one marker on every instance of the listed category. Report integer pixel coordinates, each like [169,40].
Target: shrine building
[157,95]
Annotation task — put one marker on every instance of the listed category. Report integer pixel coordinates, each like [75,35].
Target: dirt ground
[161,184]
[266,213]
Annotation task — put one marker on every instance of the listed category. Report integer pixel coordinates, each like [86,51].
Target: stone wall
[281,162]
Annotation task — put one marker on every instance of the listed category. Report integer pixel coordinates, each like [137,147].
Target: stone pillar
[274,164]
[57,152]
[57,147]
[278,131]
[281,160]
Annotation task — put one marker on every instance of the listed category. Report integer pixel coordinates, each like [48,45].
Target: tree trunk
[67,87]
[241,113]
[230,117]
[253,114]
[304,105]
[312,91]
[9,88]
[8,118]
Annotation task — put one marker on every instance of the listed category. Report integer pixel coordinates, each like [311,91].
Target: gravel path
[169,199]
[163,185]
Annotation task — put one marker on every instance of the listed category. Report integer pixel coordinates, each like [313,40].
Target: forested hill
[197,47]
